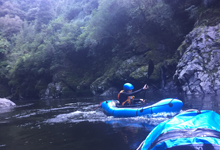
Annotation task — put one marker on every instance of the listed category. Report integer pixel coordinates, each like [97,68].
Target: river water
[58,124]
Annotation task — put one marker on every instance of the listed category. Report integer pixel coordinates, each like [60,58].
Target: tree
[45,14]
[10,25]
[4,48]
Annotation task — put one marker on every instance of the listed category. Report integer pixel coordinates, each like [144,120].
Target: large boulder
[54,90]
[100,85]
[5,103]
[129,68]
[132,69]
[110,92]
[198,71]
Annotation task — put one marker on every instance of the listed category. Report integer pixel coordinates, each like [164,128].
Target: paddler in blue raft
[126,96]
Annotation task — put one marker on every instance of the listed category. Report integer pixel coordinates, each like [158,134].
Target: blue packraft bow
[190,130]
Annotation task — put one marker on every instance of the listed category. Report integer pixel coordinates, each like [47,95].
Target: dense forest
[65,48]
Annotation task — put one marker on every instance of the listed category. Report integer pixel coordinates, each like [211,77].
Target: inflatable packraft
[194,130]
[111,108]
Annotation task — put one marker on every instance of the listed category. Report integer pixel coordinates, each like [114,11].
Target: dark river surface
[73,124]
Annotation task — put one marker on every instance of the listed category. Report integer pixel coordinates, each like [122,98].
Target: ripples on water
[74,124]
[83,111]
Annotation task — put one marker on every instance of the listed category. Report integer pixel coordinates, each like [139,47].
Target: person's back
[126,96]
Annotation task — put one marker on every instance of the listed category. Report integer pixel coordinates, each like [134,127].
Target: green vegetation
[76,42]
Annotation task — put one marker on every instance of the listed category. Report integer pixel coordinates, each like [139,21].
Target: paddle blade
[150,68]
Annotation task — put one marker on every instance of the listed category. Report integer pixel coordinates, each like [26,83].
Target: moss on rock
[140,73]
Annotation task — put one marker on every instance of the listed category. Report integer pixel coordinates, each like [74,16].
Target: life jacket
[129,99]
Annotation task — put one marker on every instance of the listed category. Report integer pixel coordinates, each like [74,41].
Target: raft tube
[166,105]
[195,130]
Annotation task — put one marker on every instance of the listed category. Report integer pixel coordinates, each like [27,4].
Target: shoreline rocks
[198,71]
[6,103]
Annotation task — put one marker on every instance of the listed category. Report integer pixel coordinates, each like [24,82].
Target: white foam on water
[25,115]
[90,112]
[55,109]
[34,112]
[77,116]
[26,105]
[99,116]
[3,145]
[25,124]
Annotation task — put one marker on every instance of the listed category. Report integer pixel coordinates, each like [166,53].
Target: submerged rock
[198,71]
[5,103]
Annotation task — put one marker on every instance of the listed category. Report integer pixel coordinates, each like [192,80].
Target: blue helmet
[128,86]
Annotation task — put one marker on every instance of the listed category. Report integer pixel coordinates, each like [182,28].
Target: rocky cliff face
[198,70]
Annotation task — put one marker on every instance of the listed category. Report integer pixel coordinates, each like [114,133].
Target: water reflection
[5,110]
[207,102]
